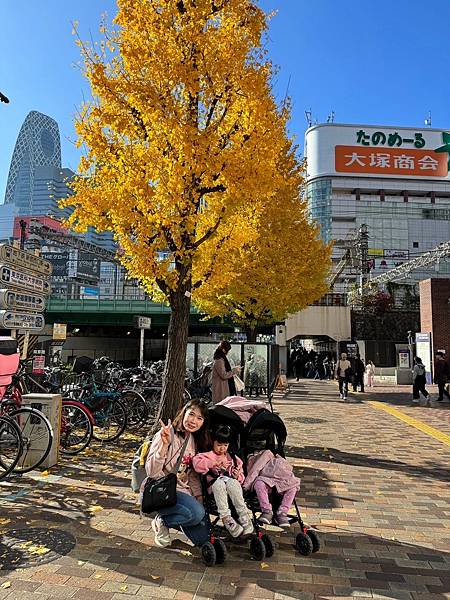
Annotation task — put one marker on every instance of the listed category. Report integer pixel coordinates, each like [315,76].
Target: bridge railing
[106,303]
[332,300]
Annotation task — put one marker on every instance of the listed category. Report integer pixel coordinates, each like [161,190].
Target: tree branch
[210,231]
[212,189]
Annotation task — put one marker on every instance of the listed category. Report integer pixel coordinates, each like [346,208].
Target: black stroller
[265,430]
[260,543]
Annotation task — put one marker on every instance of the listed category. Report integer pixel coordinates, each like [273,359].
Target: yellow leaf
[155,577]
[4,521]
[264,565]
[95,508]
[123,588]
[185,553]
[45,473]
[6,585]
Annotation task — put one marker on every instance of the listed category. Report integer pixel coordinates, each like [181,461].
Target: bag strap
[181,453]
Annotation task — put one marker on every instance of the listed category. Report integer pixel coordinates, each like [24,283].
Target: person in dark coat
[298,366]
[419,381]
[441,375]
[358,378]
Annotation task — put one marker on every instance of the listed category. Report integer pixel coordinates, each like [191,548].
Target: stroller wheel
[268,545]
[304,544]
[221,551]
[209,554]
[314,539]
[257,548]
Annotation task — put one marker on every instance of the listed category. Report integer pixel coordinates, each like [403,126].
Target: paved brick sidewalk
[376,488]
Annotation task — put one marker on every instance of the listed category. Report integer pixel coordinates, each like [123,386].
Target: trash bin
[50,405]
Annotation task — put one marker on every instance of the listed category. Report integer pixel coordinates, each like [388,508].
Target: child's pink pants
[262,491]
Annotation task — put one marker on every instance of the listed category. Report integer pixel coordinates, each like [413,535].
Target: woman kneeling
[188,514]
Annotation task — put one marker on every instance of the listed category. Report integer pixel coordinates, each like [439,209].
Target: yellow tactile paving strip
[420,425]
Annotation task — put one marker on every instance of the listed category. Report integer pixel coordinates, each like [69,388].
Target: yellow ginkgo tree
[281,270]
[182,135]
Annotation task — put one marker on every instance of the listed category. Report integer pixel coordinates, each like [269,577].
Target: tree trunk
[175,365]
[251,331]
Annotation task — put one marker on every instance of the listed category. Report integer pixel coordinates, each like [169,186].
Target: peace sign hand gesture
[165,432]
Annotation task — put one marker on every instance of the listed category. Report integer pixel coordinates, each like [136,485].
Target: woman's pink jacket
[157,465]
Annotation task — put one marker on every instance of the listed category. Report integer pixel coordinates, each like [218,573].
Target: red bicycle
[77,422]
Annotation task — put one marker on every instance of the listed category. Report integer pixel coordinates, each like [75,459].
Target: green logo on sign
[446,146]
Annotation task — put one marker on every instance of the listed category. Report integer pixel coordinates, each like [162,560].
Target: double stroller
[264,430]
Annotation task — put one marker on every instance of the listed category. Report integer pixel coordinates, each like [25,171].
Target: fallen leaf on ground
[95,508]
[123,588]
[45,473]
[264,565]
[185,553]
[6,585]
[155,577]
[80,562]
[5,521]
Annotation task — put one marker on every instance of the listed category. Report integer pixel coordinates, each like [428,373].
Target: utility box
[51,406]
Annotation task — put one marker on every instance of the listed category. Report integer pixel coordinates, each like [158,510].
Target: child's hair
[222,434]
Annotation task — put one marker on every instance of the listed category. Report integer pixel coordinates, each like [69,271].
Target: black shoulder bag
[162,492]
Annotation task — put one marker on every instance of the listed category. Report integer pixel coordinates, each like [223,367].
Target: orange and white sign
[390,161]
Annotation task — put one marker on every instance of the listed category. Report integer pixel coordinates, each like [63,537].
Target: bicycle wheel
[110,422]
[76,428]
[136,407]
[10,445]
[37,437]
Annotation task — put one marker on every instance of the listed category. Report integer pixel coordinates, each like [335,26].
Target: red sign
[390,161]
[47,221]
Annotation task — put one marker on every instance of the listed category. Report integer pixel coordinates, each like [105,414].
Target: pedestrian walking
[188,433]
[343,373]
[441,375]
[222,379]
[358,378]
[298,365]
[370,372]
[419,381]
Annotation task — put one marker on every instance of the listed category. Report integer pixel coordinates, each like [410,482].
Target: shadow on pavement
[434,471]
[348,563]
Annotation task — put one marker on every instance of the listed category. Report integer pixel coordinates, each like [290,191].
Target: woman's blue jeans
[189,515]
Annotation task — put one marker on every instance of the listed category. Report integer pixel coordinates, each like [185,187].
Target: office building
[395,180]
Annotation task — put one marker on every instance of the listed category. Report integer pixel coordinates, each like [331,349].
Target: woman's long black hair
[221,349]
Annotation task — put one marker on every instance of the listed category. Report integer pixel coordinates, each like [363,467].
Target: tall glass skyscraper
[36,180]
[38,145]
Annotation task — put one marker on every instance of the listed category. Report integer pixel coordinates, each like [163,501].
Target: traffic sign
[26,260]
[15,320]
[59,331]
[10,276]
[142,322]
[21,301]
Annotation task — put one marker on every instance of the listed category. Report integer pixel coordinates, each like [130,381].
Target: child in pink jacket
[225,476]
[267,471]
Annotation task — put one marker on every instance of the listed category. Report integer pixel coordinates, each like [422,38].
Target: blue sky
[384,62]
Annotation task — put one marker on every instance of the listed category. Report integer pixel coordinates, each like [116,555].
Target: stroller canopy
[264,431]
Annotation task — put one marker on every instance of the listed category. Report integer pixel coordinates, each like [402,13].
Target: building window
[318,194]
[415,244]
